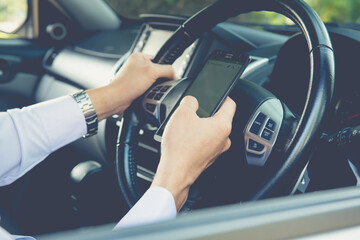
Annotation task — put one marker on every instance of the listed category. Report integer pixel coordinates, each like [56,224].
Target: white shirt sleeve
[16,237]
[157,204]
[4,235]
[30,134]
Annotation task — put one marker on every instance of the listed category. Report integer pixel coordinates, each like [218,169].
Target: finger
[190,102]
[227,109]
[165,71]
[211,162]
[149,56]
[227,145]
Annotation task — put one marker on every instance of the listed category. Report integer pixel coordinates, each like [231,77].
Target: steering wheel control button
[151,95]
[153,100]
[255,146]
[157,88]
[270,124]
[151,107]
[255,128]
[260,119]
[164,89]
[267,134]
[158,96]
[258,122]
[262,131]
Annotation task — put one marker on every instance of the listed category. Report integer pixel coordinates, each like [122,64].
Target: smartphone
[212,85]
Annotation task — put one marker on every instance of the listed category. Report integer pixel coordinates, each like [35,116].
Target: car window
[13,14]
[329,10]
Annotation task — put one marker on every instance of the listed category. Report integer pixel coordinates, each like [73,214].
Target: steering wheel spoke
[159,99]
[262,131]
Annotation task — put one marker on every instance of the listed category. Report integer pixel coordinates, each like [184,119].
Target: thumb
[227,109]
[190,102]
[164,71]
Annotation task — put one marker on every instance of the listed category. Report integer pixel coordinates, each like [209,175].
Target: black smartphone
[212,85]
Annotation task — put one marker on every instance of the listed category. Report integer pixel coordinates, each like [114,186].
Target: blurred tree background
[13,10]
[13,14]
[329,10]
[337,10]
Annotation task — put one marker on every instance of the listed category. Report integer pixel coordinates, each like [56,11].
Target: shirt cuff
[4,235]
[63,120]
[16,237]
[157,204]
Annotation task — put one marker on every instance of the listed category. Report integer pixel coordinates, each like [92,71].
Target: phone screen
[212,84]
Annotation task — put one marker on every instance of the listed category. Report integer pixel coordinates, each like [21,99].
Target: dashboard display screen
[212,84]
[156,39]
[154,42]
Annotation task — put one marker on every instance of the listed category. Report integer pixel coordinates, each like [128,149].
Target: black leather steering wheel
[295,133]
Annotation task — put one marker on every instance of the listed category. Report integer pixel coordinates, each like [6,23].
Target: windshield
[339,11]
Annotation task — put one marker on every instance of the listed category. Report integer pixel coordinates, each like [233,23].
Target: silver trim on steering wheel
[262,131]
[155,96]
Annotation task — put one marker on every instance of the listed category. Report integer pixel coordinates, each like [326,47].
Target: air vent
[57,31]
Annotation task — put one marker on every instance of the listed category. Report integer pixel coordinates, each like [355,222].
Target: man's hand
[190,145]
[132,80]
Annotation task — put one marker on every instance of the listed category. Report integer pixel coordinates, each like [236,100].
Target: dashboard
[151,40]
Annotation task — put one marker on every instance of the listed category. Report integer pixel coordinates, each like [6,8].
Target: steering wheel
[276,142]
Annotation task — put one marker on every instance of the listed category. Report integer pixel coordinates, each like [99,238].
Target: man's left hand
[130,82]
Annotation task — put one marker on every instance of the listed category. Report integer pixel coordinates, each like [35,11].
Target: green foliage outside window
[329,10]
[13,14]
[337,10]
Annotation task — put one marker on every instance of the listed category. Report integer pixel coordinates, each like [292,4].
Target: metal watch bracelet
[85,104]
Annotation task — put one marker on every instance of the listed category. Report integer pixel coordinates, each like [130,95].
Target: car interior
[295,132]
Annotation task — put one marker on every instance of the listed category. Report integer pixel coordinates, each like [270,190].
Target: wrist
[180,195]
[177,184]
[105,103]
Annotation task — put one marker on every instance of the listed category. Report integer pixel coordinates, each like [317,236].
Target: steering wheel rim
[320,90]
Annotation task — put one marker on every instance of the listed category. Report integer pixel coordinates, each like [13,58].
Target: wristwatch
[84,102]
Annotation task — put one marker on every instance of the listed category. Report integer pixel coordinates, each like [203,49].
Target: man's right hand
[190,145]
